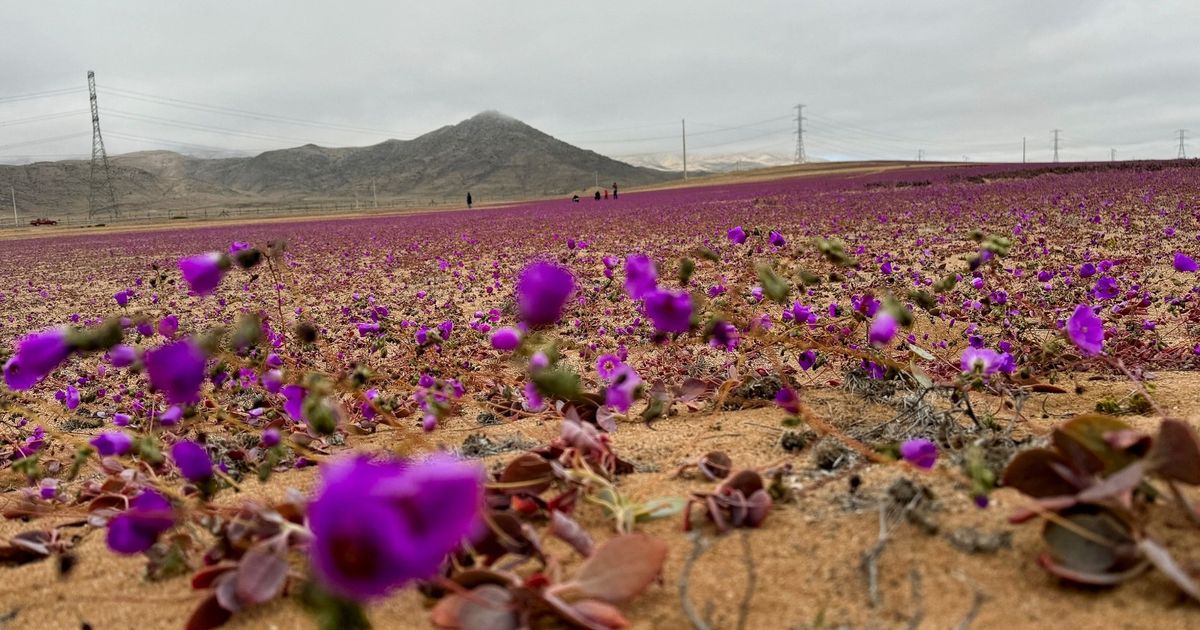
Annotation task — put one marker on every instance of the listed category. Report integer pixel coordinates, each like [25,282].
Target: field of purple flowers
[827,401]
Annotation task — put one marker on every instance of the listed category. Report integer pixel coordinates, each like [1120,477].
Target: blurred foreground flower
[883,328]
[542,290]
[378,525]
[138,528]
[670,312]
[641,278]
[177,369]
[919,452]
[37,355]
[203,272]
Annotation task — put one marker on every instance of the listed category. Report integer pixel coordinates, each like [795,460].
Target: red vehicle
[43,221]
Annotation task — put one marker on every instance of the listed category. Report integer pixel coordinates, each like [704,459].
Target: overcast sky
[880,79]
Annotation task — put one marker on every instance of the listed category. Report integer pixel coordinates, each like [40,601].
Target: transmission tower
[97,188]
[1055,132]
[1182,149]
[801,158]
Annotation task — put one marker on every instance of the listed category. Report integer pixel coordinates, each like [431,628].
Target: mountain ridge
[491,155]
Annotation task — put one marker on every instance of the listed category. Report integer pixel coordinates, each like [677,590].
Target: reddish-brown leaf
[1082,441]
[1176,452]
[528,473]
[1031,472]
[209,614]
[566,529]
[601,613]
[1163,561]
[260,575]
[205,577]
[488,607]
[621,568]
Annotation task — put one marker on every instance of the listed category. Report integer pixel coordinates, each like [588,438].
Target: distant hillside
[493,156]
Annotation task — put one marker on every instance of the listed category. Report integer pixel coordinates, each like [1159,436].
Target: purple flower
[787,400]
[622,391]
[799,313]
[122,355]
[272,380]
[378,525]
[270,438]
[112,443]
[444,329]
[238,246]
[171,416]
[138,528]
[983,360]
[367,328]
[542,289]
[177,369]
[168,326]
[724,335]
[1184,263]
[293,396]
[883,329]
[193,461]
[606,366]
[36,356]
[641,278]
[919,452]
[808,359]
[1086,330]
[72,398]
[506,339]
[203,272]
[1105,289]
[736,235]
[776,239]
[1087,270]
[670,312]
[121,419]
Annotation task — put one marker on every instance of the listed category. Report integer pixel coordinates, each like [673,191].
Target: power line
[41,117]
[44,94]
[168,143]
[182,124]
[35,141]
[233,111]
[1056,132]
[1182,155]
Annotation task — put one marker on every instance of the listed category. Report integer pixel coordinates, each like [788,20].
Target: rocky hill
[493,156]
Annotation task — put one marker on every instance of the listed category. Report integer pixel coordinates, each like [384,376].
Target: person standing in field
[597,195]
[606,193]
[468,199]
[614,190]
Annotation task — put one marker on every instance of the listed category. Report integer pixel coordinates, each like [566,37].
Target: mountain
[493,156]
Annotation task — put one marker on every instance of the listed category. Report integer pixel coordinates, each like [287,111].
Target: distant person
[614,190]
[597,195]
[575,198]
[606,193]
[468,199]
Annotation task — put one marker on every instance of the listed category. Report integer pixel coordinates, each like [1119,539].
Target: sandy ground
[806,559]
